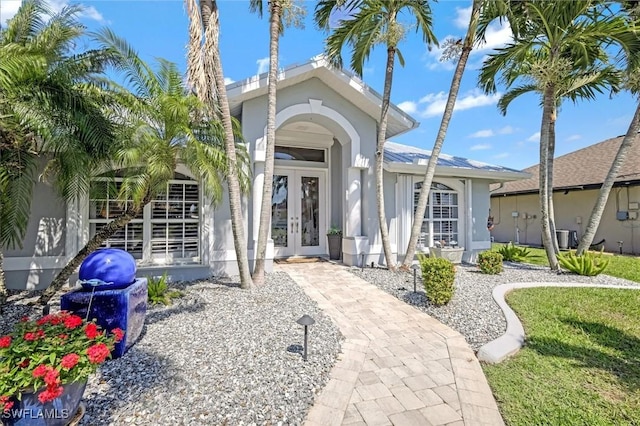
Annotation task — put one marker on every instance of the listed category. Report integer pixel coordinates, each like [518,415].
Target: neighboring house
[325,148]
[577,178]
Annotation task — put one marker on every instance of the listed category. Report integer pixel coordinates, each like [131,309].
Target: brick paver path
[398,365]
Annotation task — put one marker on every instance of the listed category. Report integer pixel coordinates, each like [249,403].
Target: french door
[298,212]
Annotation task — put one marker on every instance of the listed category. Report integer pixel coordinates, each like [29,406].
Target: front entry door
[298,209]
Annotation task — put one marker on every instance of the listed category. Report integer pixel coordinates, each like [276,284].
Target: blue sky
[158,28]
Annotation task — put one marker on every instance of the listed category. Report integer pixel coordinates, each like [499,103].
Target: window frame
[147,256]
[439,190]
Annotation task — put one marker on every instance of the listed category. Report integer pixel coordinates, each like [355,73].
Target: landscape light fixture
[306,320]
[415,268]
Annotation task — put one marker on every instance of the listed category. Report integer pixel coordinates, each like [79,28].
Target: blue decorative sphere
[110,268]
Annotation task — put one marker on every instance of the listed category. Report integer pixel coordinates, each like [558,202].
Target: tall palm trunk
[94,244]
[3,284]
[379,172]
[548,107]
[598,209]
[267,189]
[442,132]
[550,162]
[233,182]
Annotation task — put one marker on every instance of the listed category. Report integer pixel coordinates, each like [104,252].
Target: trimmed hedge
[490,262]
[438,276]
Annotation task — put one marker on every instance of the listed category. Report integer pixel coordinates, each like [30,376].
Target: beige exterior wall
[572,212]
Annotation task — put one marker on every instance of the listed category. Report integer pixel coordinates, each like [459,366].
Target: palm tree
[633,85]
[50,109]
[368,23]
[559,52]
[207,80]
[279,10]
[465,51]
[161,125]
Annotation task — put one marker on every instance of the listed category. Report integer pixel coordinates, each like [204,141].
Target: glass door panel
[280,211]
[310,211]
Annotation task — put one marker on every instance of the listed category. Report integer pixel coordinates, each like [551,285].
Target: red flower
[72,321]
[50,393]
[30,337]
[5,341]
[39,333]
[45,319]
[5,404]
[91,330]
[52,378]
[25,363]
[69,361]
[98,353]
[118,333]
[63,336]
[40,370]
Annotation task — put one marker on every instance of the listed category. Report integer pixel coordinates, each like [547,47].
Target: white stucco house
[324,176]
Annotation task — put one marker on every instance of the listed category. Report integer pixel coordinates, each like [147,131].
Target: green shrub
[513,253]
[588,263]
[158,291]
[490,262]
[438,275]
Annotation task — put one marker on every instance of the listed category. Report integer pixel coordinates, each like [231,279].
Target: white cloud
[409,107]
[480,147]
[485,133]
[501,155]
[263,65]
[436,102]
[506,130]
[497,35]
[574,138]
[228,81]
[8,9]
[534,137]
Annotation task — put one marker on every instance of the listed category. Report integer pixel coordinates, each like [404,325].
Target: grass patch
[581,361]
[627,267]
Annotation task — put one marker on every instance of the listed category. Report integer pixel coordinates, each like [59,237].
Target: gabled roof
[408,159]
[343,82]
[582,169]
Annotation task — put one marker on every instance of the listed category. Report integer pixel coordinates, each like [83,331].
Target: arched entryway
[316,179]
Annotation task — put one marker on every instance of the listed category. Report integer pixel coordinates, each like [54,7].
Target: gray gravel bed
[472,311]
[218,356]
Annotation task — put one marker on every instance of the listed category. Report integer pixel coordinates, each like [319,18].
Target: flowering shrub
[48,353]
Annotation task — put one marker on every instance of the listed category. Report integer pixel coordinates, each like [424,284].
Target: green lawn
[627,267]
[581,361]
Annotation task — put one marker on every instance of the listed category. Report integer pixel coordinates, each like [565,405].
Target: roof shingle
[585,167]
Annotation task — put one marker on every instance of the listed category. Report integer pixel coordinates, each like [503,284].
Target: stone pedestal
[124,308]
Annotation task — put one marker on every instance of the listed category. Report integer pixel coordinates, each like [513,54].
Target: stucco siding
[480,208]
[570,209]
[46,230]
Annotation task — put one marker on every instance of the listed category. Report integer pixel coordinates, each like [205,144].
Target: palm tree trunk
[3,285]
[379,172]
[442,132]
[550,162]
[267,189]
[94,244]
[233,183]
[548,106]
[598,209]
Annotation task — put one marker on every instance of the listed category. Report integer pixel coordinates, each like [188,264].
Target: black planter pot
[335,246]
[29,411]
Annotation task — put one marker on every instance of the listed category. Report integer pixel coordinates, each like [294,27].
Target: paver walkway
[398,365]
